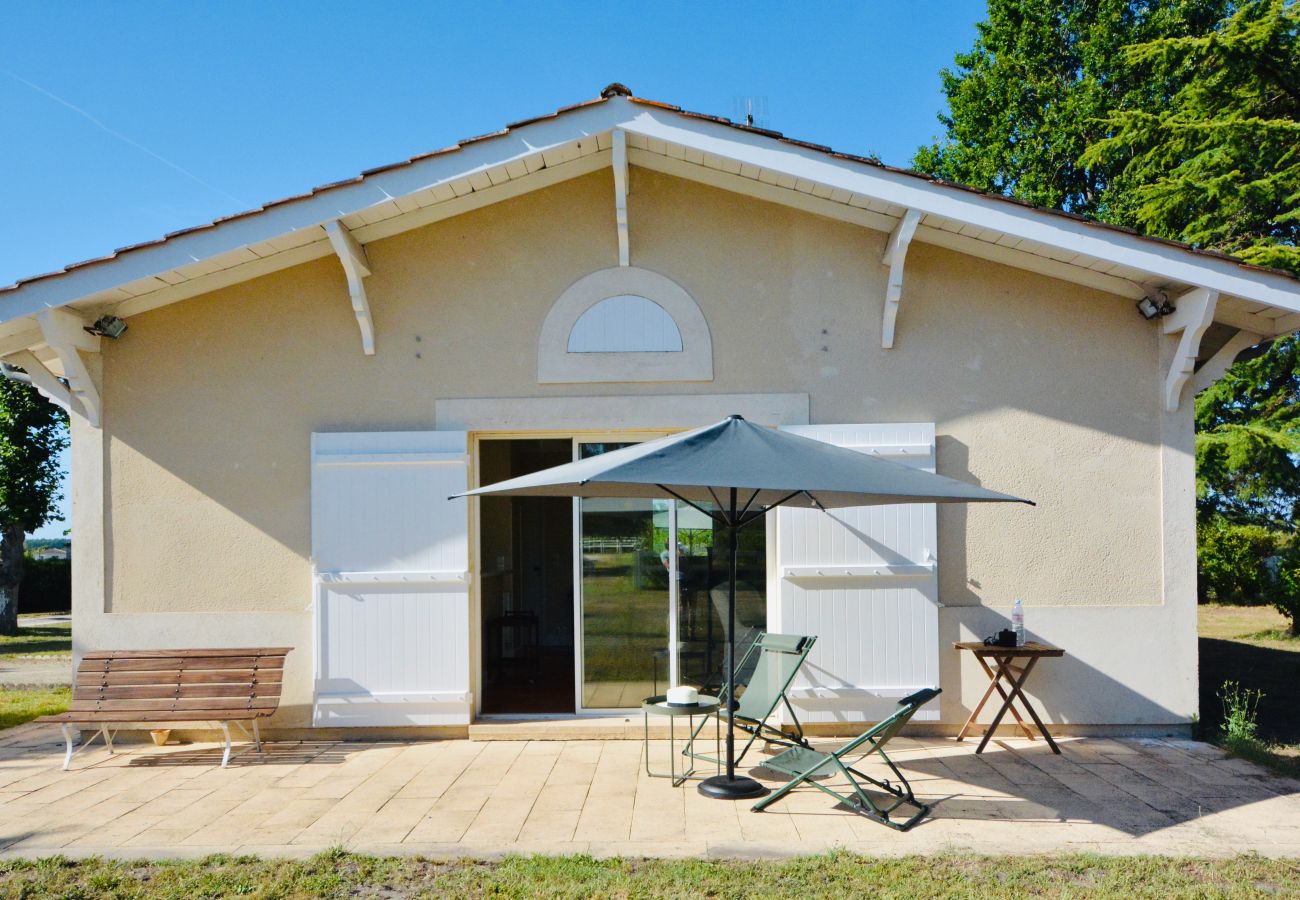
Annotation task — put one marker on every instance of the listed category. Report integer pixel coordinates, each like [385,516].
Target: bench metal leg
[67,737]
[253,736]
[225,756]
[73,749]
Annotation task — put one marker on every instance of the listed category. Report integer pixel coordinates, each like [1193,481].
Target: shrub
[1240,710]
[46,587]
[1285,590]
[1233,561]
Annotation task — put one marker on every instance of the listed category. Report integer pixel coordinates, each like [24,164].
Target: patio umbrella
[743,470]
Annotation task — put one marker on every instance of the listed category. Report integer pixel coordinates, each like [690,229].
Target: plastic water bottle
[1018,622]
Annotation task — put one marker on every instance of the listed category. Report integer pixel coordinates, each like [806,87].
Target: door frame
[575,437]
[622,437]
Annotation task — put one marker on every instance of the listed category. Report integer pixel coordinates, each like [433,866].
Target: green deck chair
[716,682]
[806,764]
[769,666]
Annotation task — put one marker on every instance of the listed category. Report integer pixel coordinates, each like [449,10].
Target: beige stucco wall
[1037,387]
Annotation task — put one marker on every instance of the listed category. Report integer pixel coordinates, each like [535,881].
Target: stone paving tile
[458,798]
[550,825]
[395,820]
[442,825]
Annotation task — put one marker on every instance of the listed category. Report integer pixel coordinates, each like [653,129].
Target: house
[51,553]
[264,457]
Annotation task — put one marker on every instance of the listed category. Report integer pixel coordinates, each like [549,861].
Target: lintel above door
[641,411]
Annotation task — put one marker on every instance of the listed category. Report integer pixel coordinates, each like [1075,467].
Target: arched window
[624,324]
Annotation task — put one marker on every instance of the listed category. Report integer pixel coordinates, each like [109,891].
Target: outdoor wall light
[107,326]
[1155,307]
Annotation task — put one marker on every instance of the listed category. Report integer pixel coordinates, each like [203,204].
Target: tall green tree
[33,433]
[1248,441]
[1180,118]
[1217,164]
[1036,91]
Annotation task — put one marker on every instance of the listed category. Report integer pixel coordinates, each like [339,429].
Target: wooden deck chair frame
[753,710]
[806,765]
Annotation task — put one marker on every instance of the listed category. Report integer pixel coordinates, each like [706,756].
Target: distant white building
[52,553]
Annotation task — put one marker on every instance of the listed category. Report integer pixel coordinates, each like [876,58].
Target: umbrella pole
[729,787]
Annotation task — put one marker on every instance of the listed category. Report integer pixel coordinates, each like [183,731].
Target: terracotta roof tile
[510,126]
[484,137]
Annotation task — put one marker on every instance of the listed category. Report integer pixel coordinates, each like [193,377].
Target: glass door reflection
[652,602]
[624,601]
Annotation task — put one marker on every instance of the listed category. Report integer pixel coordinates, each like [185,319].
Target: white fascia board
[1166,262]
[326,206]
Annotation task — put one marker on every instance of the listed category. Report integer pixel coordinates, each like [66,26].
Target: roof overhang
[617,131]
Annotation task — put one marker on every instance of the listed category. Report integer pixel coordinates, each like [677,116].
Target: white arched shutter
[391,560]
[865,581]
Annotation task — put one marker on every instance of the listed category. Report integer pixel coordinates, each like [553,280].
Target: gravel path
[38,671]
[47,671]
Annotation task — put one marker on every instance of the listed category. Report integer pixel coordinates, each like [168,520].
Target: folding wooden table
[1015,675]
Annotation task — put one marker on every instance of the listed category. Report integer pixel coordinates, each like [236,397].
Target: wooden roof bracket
[1214,368]
[895,256]
[1193,313]
[45,381]
[356,267]
[619,163]
[66,335]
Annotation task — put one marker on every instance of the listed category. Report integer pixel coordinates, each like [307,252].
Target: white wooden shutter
[865,582]
[391,560]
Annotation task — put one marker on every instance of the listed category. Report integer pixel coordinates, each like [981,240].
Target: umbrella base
[720,787]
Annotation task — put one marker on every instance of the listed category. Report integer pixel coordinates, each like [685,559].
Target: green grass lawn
[339,874]
[1249,644]
[40,640]
[19,705]
[22,704]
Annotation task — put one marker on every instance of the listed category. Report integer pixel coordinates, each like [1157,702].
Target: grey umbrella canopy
[767,468]
[734,472]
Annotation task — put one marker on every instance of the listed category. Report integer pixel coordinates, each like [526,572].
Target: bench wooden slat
[175,676]
[189,652]
[187,663]
[187,691]
[199,685]
[92,705]
[136,717]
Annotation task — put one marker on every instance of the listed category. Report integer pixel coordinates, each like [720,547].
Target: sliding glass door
[623,599]
[651,603]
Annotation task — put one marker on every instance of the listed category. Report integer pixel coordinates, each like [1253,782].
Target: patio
[487,798]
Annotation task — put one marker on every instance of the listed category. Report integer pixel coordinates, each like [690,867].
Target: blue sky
[120,122]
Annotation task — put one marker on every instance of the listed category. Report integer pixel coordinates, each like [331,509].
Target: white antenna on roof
[750,110]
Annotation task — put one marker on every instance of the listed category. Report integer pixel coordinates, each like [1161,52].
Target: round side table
[658,706]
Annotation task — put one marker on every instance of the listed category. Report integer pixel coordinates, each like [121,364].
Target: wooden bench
[118,687]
